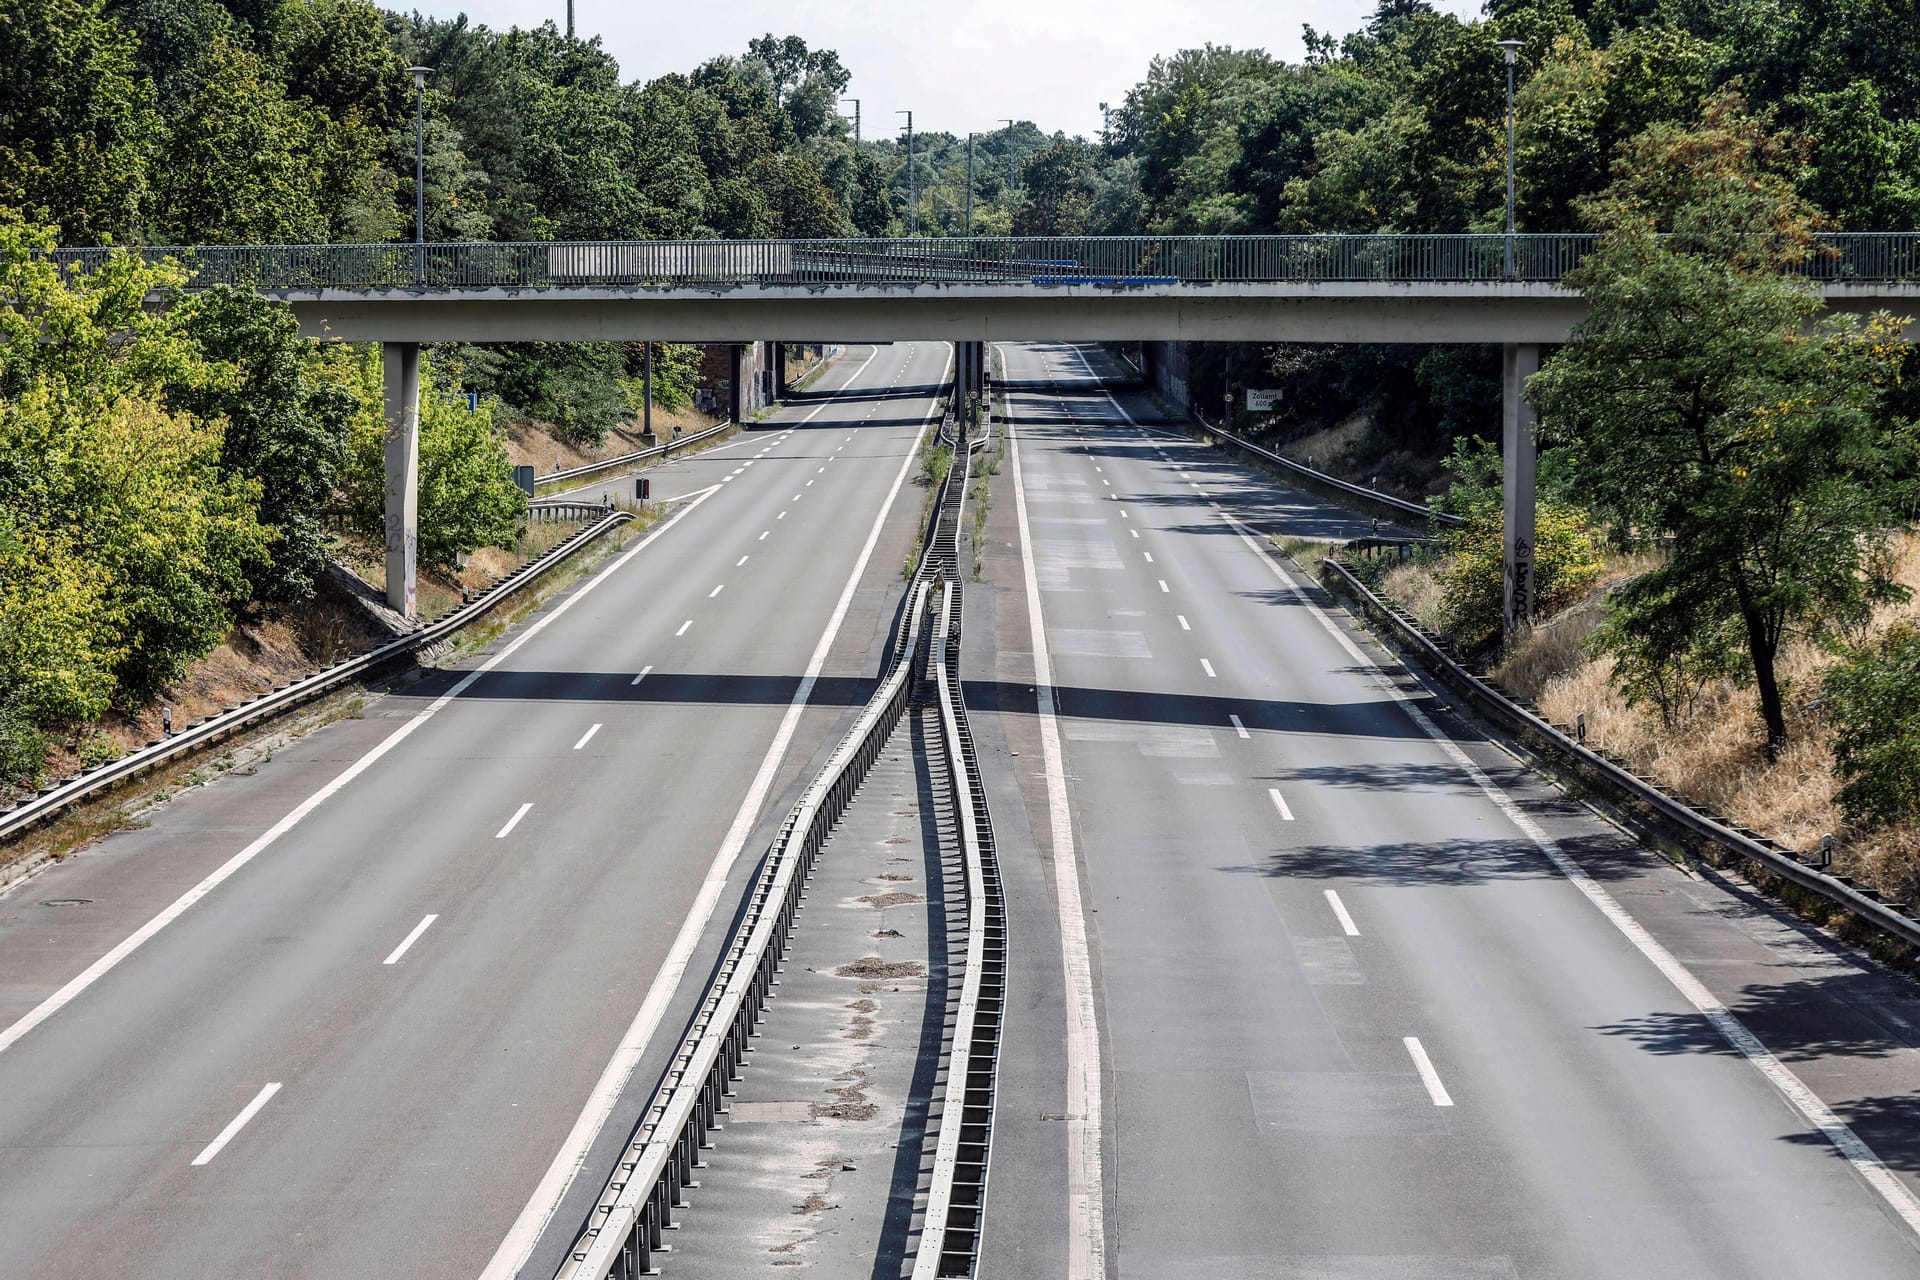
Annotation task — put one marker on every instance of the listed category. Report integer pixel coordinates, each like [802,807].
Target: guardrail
[550,509]
[1397,507]
[1604,776]
[623,1231]
[1037,262]
[621,460]
[50,801]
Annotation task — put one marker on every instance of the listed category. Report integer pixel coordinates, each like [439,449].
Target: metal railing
[620,460]
[1032,261]
[1396,507]
[1607,778]
[52,800]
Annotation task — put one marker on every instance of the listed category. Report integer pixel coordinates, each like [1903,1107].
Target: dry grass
[1414,587]
[1714,752]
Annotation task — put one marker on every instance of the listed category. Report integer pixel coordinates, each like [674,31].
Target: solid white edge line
[1086,1196]
[586,737]
[138,938]
[236,1124]
[1280,803]
[644,673]
[1428,1076]
[1347,925]
[1822,1118]
[1239,728]
[547,1196]
[513,822]
[410,939]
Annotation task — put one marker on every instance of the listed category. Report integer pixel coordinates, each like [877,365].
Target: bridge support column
[779,369]
[401,364]
[1520,361]
[741,394]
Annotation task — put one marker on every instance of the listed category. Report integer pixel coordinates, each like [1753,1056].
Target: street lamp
[969,185]
[1009,125]
[1511,47]
[913,180]
[1106,125]
[856,119]
[420,75]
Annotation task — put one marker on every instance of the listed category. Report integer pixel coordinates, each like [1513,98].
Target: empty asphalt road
[1314,982]
[382,1039]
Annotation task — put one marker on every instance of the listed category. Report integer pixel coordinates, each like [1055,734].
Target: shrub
[1874,698]
[1473,576]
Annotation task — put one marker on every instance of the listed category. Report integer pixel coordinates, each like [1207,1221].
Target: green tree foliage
[1473,579]
[1705,396]
[467,495]
[676,374]
[1874,699]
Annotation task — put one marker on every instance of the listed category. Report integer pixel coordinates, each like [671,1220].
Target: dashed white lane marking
[1280,803]
[763,535]
[1134,532]
[513,822]
[1164,586]
[1123,513]
[1208,668]
[567,1162]
[1184,626]
[783,515]
[810,483]
[716,591]
[1239,728]
[1148,555]
[409,940]
[1428,1076]
[683,628]
[586,737]
[818,470]
[737,563]
[238,1123]
[1351,929]
[644,673]
[797,497]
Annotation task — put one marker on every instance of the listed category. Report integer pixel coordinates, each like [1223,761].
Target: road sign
[1263,401]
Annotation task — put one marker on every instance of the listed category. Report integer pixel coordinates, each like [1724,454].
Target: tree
[1874,699]
[1706,396]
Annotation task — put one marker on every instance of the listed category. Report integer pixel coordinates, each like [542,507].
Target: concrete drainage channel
[918,709]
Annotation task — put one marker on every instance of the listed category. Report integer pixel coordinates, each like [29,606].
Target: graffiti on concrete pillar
[1520,583]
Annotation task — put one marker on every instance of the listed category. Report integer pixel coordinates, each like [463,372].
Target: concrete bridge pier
[969,372]
[401,365]
[1519,361]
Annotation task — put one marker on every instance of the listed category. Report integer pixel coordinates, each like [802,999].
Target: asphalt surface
[1352,1020]
[392,1096]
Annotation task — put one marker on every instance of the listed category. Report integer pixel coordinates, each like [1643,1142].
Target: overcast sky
[1049,61]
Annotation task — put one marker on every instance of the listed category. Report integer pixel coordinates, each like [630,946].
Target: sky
[1049,61]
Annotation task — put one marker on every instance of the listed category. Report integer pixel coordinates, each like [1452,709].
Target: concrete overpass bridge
[970,291]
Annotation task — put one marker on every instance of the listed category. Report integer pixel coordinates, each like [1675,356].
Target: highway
[363,1013]
[1312,981]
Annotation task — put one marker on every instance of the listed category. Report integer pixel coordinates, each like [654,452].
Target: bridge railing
[1036,261]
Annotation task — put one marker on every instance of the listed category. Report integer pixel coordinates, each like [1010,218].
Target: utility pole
[1106,126]
[856,119]
[1511,47]
[913,180]
[420,75]
[969,184]
[569,19]
[1009,124]
[646,411]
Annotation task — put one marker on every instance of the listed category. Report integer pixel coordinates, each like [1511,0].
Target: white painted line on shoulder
[174,910]
[1347,925]
[1164,586]
[683,628]
[238,1123]
[527,1228]
[1280,803]
[1208,668]
[644,673]
[737,563]
[1238,727]
[587,737]
[1428,1076]
[413,937]
[513,822]
[716,591]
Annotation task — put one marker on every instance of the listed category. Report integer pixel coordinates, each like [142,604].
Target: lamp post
[1511,48]
[969,185]
[1106,126]
[913,180]
[1010,183]
[856,119]
[420,75]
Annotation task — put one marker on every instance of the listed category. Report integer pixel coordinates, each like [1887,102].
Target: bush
[1473,576]
[1874,699]
[98,750]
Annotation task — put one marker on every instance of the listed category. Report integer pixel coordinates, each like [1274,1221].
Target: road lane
[1275,1076]
[420,1103]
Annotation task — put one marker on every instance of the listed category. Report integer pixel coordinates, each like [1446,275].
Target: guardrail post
[401,364]
[1519,361]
